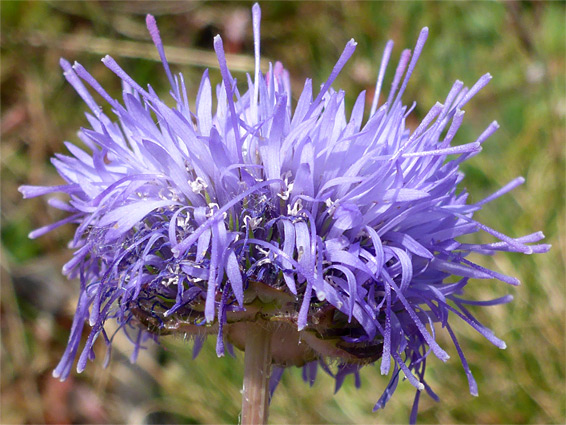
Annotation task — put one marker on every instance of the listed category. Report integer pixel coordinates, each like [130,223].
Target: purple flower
[338,233]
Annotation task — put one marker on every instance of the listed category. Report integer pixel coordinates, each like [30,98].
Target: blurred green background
[522,44]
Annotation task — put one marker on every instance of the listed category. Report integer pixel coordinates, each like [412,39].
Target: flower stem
[257,370]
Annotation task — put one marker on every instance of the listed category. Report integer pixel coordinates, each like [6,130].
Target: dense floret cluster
[342,231]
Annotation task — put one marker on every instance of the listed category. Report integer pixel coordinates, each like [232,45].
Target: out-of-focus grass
[522,44]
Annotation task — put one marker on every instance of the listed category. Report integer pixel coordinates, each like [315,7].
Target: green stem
[257,370]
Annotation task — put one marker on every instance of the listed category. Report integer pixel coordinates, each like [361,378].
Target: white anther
[198,185]
[286,193]
[297,206]
[252,223]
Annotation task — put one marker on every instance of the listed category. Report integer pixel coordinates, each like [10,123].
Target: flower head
[335,231]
